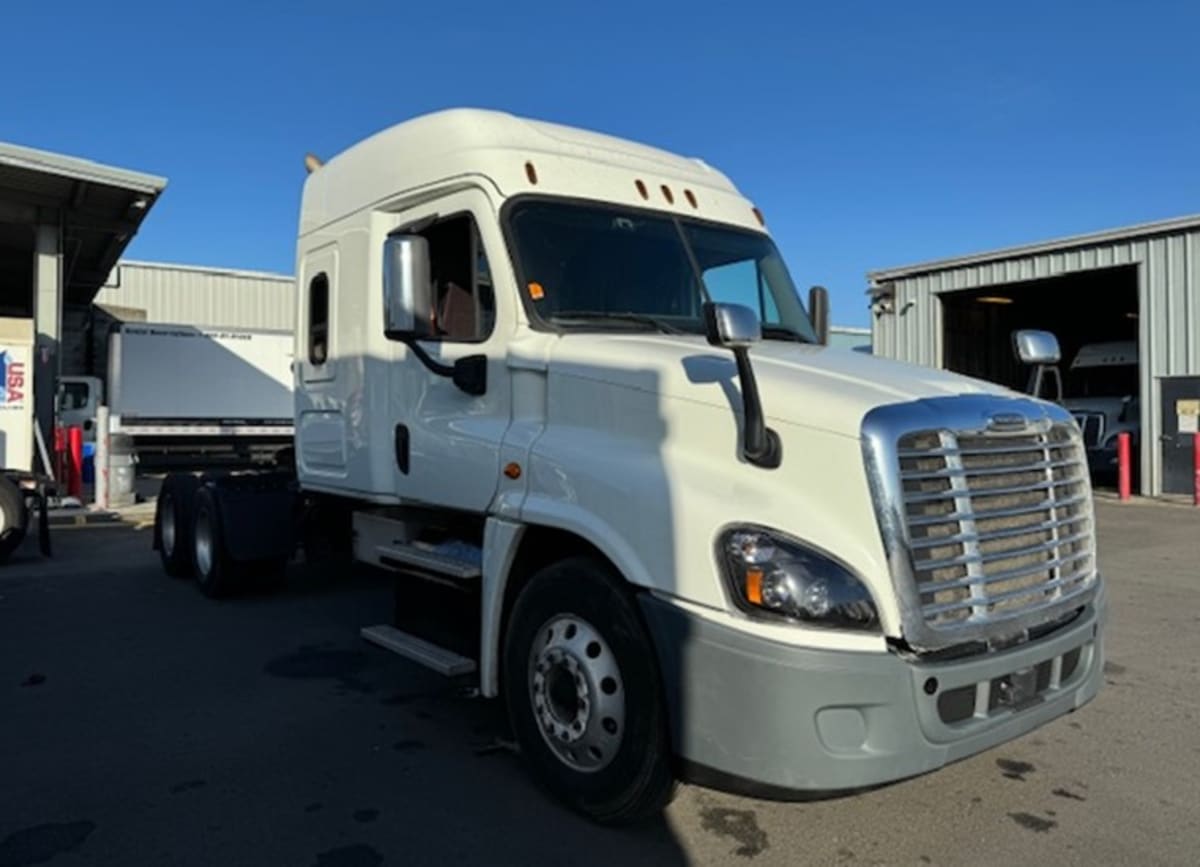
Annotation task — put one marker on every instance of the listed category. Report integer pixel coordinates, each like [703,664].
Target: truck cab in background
[561,387]
[1101,390]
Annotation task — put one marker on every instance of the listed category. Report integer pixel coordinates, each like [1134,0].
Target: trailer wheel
[14,518]
[584,693]
[215,571]
[173,524]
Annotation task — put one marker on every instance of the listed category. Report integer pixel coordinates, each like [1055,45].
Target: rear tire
[173,524]
[585,696]
[14,518]
[215,572]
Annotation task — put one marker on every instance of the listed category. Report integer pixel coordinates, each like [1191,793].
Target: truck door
[447,441]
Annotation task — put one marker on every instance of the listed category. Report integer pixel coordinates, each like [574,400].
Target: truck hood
[814,386]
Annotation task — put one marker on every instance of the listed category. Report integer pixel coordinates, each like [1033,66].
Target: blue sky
[871,134]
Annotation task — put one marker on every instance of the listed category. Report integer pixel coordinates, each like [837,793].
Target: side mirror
[736,328]
[1040,349]
[1037,347]
[407,288]
[731,326]
[818,310]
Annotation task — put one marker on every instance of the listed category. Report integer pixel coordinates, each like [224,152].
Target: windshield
[594,266]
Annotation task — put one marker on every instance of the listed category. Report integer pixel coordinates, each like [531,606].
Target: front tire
[584,693]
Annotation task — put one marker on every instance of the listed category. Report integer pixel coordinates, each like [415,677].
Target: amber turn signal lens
[754,578]
[513,470]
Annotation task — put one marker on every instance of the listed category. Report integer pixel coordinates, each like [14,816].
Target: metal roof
[208,269]
[99,208]
[63,166]
[1141,230]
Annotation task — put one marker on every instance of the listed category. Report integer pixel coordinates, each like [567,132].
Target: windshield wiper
[577,317]
[779,332]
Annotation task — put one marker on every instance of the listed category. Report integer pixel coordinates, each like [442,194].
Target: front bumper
[781,718]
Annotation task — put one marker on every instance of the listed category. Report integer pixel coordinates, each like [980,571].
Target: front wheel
[584,693]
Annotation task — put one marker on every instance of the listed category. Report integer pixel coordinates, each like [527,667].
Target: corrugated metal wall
[1168,298]
[201,296]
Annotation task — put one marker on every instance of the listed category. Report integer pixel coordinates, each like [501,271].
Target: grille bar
[1064,581]
[996,577]
[988,471]
[995,535]
[934,496]
[990,514]
[974,452]
[1004,554]
[1037,590]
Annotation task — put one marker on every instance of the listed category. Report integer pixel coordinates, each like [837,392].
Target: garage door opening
[1094,314]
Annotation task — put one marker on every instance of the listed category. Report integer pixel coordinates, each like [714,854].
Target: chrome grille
[999,525]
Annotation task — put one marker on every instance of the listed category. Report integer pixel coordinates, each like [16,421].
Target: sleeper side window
[318,320]
[464,304]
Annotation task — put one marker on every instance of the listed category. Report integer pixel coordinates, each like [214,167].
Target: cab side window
[464,305]
[318,320]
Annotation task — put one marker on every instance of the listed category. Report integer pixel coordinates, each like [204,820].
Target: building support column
[47,322]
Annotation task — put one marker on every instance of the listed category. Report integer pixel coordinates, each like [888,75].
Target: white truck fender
[501,540]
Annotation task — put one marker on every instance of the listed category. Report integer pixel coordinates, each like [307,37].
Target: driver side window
[464,304]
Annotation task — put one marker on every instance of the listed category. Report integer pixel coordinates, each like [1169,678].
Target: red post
[1196,470]
[1123,469]
[75,462]
[60,454]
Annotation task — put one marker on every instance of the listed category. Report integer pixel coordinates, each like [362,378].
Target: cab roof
[515,155]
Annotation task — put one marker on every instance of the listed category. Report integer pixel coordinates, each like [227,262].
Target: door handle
[402,450]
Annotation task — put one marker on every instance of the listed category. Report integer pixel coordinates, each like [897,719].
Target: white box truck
[562,386]
[187,394]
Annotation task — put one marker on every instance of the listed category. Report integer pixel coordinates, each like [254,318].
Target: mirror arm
[469,373]
[760,445]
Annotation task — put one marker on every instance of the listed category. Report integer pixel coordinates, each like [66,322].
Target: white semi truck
[562,386]
[187,394]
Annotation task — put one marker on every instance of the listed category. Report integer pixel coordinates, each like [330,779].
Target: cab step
[445,662]
[454,559]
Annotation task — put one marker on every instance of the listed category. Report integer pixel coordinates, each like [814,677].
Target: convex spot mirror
[407,288]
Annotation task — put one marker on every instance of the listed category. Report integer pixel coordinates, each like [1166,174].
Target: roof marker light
[531,173]
[691,197]
[668,195]
[758,215]
[641,188]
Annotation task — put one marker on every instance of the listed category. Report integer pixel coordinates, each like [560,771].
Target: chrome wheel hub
[577,693]
[168,527]
[204,545]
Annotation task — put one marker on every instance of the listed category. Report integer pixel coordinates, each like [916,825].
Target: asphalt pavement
[141,723]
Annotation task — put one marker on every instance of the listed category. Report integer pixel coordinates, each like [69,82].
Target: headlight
[776,576]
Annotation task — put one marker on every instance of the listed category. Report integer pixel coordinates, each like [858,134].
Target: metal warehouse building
[1137,287]
[177,294]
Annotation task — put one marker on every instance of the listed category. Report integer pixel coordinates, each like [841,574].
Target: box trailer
[187,394]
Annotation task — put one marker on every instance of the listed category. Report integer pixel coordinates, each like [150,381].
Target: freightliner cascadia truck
[562,386]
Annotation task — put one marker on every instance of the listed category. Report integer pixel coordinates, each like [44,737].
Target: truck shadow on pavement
[162,727]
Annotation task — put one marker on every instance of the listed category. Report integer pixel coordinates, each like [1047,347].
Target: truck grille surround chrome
[985,509]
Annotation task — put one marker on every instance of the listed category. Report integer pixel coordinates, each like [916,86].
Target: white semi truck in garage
[563,388]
